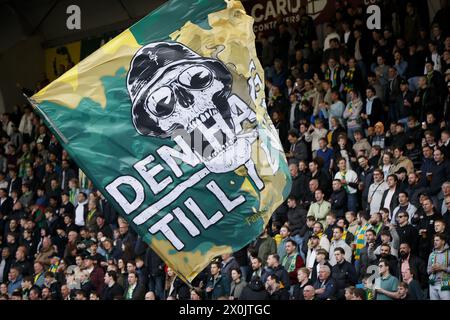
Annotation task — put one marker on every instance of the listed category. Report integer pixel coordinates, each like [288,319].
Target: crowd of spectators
[364,120]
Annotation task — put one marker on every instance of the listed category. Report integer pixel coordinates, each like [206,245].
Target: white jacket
[342,244]
[315,136]
[411,209]
[26,124]
[350,177]
[375,196]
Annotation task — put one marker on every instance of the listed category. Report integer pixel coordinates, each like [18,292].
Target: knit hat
[149,70]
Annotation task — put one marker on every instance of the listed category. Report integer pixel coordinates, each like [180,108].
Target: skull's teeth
[202,118]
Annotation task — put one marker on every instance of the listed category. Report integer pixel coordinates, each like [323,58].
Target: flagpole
[184,279]
[180,275]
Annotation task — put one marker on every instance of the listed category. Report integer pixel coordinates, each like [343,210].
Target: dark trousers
[156,284]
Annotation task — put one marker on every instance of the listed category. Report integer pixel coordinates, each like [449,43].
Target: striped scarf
[91,214]
[370,295]
[344,236]
[349,75]
[343,173]
[54,267]
[445,276]
[36,277]
[360,240]
[72,195]
[289,265]
[333,78]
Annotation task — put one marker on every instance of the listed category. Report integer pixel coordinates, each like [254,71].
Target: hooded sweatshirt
[440,257]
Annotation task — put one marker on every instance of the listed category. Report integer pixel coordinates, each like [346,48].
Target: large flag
[168,120]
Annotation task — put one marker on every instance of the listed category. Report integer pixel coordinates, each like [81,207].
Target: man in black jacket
[108,211]
[134,290]
[112,290]
[435,79]
[21,261]
[296,216]
[408,260]
[309,196]
[343,273]
[15,183]
[416,61]
[366,252]
[298,149]
[414,189]
[405,101]
[6,203]
[440,173]
[304,176]
[53,221]
[67,173]
[321,176]
[425,224]
[373,110]
[392,92]
[426,100]
[275,289]
[407,233]
[293,115]
[365,174]
[66,206]
[155,270]
[5,264]
[101,226]
[338,199]
[296,190]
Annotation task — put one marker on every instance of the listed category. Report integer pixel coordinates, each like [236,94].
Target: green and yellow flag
[168,120]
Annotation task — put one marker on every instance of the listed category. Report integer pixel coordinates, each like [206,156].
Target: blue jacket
[40,280]
[330,289]
[13,285]
[221,287]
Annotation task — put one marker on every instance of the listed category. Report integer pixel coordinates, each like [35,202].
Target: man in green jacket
[265,245]
[320,208]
